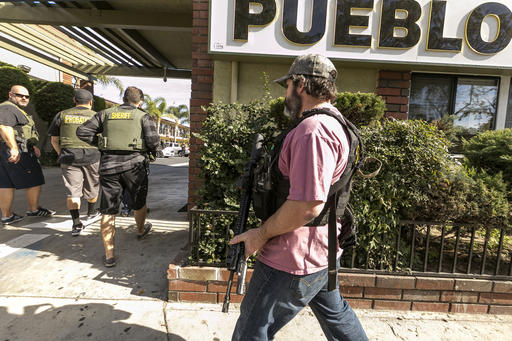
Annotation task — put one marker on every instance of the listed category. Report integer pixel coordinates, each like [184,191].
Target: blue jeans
[274,297]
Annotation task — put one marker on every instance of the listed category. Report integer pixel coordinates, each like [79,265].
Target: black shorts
[134,181]
[26,173]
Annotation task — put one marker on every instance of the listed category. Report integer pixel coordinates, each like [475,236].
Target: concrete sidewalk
[55,287]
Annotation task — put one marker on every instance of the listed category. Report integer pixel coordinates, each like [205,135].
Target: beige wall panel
[251,82]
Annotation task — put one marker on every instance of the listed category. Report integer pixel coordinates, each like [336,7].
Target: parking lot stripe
[20,242]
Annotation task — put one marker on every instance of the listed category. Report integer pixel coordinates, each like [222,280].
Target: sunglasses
[21,95]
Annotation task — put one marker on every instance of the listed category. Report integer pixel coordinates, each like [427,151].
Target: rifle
[235,261]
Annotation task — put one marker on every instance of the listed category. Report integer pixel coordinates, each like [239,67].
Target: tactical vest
[271,189]
[71,119]
[25,132]
[122,130]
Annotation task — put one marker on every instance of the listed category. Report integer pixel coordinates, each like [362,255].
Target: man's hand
[14,155]
[37,152]
[253,240]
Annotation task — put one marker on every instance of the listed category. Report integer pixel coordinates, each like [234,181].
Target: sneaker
[12,219]
[109,262]
[94,215]
[41,212]
[77,229]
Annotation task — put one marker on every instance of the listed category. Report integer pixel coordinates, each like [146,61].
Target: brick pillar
[202,90]
[87,85]
[67,79]
[395,88]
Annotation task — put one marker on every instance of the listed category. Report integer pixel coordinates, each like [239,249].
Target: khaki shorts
[81,180]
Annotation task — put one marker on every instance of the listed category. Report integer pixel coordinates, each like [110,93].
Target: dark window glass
[430,97]
[475,103]
[508,122]
[473,100]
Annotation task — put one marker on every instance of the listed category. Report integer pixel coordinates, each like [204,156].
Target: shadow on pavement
[90,321]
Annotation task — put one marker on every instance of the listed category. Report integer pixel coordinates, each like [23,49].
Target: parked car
[184,152]
[172,150]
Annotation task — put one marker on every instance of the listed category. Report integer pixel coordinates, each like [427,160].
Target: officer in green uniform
[125,136]
[19,164]
[79,161]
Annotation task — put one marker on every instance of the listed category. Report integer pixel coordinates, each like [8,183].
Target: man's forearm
[55,140]
[290,216]
[8,136]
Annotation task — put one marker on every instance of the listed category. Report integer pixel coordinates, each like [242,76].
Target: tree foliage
[52,98]
[10,76]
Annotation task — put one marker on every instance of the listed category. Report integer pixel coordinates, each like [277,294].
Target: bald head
[19,95]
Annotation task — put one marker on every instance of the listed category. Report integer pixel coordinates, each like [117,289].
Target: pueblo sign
[452,32]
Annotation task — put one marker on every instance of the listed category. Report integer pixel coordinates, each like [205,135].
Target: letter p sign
[244,19]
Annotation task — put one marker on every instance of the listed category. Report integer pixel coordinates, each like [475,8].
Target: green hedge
[418,179]
[10,76]
[52,98]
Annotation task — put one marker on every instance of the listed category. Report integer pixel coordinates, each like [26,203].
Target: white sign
[452,32]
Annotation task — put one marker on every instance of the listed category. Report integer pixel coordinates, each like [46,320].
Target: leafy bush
[52,98]
[361,108]
[491,151]
[10,76]
[98,103]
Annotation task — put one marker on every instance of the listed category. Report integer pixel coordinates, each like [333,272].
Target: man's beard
[292,105]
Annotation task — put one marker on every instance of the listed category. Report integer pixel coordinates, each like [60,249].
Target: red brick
[390,75]
[199,273]
[397,115]
[383,293]
[357,280]
[459,296]
[396,282]
[224,275]
[404,108]
[496,298]
[406,76]
[391,305]
[421,295]
[405,92]
[359,304]
[393,107]
[397,100]
[233,298]
[500,310]
[172,271]
[469,308]
[179,285]
[351,291]
[218,286]
[206,297]
[428,306]
[434,283]
[389,91]
[394,84]
[505,287]
[473,285]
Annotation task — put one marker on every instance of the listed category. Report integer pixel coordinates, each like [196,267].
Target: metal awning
[118,37]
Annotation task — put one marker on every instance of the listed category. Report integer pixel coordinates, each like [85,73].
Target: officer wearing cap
[125,135]
[79,161]
[291,271]
[19,164]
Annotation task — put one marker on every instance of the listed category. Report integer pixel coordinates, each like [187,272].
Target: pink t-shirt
[313,157]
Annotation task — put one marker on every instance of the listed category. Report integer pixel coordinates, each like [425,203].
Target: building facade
[426,58]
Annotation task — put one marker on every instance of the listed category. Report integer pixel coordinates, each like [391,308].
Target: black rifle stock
[236,261]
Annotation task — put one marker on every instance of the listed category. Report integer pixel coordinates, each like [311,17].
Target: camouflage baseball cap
[310,65]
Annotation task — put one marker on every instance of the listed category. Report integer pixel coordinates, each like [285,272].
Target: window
[473,100]
[508,121]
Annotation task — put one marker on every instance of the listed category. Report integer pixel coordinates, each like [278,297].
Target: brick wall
[394,87]
[202,89]
[364,291]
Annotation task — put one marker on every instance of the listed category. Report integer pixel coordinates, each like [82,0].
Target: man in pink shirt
[291,271]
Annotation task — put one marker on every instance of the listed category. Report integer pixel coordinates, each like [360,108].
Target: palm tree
[180,112]
[109,80]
